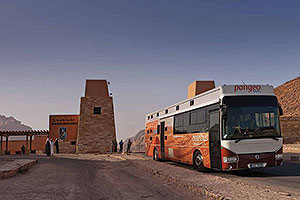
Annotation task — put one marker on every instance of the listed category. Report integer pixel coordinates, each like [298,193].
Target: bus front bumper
[254,161]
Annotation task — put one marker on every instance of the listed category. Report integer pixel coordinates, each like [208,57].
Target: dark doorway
[214,139]
[162,140]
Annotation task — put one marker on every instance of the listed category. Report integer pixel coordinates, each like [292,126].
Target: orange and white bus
[230,127]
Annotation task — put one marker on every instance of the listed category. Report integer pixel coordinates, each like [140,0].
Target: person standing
[112,146]
[51,147]
[115,146]
[128,146]
[23,149]
[121,145]
[47,147]
[56,145]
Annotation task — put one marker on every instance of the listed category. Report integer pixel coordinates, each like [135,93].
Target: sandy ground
[137,176]
[86,178]
[281,182]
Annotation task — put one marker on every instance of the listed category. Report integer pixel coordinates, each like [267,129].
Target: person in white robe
[51,147]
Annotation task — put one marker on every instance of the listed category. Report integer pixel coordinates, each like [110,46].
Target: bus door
[162,140]
[214,139]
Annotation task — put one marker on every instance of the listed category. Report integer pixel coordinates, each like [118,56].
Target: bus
[231,127]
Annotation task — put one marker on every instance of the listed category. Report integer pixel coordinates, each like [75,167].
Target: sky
[148,50]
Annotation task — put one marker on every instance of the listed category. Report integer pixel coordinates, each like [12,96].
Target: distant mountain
[138,142]
[11,124]
[288,95]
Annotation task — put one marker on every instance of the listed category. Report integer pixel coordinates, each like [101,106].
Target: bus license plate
[256,165]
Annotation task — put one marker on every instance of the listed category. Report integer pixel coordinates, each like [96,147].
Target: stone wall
[66,147]
[96,131]
[290,127]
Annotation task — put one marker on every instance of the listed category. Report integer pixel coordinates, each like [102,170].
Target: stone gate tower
[96,125]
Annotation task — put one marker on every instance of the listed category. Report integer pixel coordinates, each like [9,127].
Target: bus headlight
[278,156]
[232,159]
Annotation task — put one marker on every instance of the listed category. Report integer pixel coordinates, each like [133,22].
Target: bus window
[214,119]
[179,121]
[272,119]
[266,119]
[251,121]
[197,117]
[191,122]
[192,103]
[193,118]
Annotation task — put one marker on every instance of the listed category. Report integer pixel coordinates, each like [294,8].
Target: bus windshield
[251,121]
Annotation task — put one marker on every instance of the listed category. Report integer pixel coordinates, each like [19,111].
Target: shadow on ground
[288,168]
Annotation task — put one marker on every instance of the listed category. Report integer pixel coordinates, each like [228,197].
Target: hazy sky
[149,50]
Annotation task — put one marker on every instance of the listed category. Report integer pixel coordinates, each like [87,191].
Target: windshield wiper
[238,140]
[263,129]
[274,138]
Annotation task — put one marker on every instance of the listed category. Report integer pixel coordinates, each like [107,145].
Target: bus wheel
[198,161]
[155,154]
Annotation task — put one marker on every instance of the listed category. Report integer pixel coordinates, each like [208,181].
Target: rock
[138,142]
[11,124]
[288,95]
[289,98]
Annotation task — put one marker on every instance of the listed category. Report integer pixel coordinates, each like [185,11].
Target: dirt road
[284,179]
[65,178]
[138,177]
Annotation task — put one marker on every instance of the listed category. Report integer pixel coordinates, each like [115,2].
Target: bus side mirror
[280,110]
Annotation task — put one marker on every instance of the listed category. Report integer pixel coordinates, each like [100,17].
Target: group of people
[49,147]
[50,143]
[114,147]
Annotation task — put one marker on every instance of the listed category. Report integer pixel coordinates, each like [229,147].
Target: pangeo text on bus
[249,88]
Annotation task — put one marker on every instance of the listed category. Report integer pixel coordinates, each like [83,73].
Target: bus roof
[210,97]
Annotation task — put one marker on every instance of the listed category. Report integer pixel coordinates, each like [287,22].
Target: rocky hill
[288,95]
[138,142]
[11,124]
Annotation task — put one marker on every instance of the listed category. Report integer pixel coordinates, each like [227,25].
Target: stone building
[93,130]
[65,128]
[97,124]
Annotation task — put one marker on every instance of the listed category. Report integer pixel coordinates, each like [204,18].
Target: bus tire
[155,155]
[198,161]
